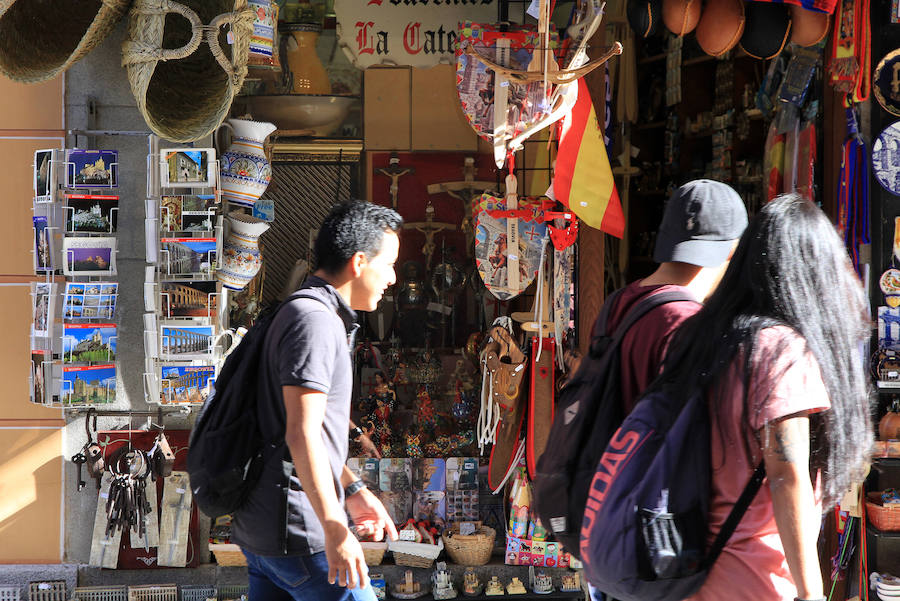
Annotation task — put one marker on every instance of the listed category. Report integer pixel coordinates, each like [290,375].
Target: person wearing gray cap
[700,228]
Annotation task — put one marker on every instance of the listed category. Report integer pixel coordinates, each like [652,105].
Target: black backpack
[588,412]
[227,451]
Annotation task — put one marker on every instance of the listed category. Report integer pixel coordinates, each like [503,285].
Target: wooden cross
[464,190]
[429,227]
[395,172]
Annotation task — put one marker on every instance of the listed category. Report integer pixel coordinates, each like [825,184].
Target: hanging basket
[39,39]
[183,86]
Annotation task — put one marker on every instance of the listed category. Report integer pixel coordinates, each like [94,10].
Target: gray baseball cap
[702,220]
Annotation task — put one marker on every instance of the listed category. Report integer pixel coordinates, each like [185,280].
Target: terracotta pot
[889,426]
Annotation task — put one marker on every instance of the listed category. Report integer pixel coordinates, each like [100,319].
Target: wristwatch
[354,487]
[355,433]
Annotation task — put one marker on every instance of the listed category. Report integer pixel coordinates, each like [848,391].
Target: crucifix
[464,190]
[429,227]
[395,172]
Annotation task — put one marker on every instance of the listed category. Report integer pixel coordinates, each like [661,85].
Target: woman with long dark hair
[777,349]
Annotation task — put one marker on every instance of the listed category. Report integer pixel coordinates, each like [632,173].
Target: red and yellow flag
[583,179]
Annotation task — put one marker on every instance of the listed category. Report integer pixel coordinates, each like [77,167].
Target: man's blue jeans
[298,577]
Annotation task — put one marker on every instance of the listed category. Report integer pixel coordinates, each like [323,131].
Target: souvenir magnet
[886,82]
[890,286]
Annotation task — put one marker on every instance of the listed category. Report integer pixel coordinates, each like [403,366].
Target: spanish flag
[583,179]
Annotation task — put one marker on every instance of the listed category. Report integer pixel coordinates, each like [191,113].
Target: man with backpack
[700,228]
[701,225]
[293,526]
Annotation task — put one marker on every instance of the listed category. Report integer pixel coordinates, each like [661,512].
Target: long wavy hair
[790,268]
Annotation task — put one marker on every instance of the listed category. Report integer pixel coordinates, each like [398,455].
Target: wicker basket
[39,39]
[228,554]
[184,89]
[373,552]
[415,555]
[470,549]
[884,517]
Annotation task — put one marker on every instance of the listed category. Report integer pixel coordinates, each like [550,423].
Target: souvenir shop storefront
[174,170]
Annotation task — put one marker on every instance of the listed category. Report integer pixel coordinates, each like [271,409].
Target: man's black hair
[353,226]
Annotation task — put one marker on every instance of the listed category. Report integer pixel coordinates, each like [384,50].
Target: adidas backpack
[646,521]
[588,412]
[227,451]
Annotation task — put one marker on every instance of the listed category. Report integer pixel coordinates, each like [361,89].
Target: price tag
[407,535]
[467,528]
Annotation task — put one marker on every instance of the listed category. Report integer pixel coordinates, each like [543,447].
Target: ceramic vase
[244,170]
[240,255]
[308,75]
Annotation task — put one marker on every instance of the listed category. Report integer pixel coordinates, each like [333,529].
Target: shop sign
[417,33]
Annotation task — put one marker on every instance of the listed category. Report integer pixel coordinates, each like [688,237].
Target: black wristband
[355,433]
[354,487]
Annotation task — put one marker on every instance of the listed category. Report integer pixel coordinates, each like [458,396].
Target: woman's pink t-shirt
[752,565]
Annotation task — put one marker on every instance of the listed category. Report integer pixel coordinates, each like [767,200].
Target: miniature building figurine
[409,588]
[442,585]
[515,587]
[543,584]
[472,587]
[570,582]
[494,587]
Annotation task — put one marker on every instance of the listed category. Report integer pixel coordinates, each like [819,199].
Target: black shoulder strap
[737,512]
[647,304]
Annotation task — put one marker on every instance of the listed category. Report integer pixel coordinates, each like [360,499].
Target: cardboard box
[414,109]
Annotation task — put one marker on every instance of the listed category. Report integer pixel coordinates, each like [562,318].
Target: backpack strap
[737,512]
[643,306]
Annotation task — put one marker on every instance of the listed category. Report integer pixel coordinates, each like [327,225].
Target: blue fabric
[297,578]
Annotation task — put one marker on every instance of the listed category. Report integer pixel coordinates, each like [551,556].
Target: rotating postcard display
[183,302]
[73,334]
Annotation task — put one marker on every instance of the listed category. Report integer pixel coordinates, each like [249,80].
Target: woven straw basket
[184,87]
[470,549]
[883,517]
[39,39]
[373,552]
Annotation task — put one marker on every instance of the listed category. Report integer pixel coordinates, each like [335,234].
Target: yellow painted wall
[31,436]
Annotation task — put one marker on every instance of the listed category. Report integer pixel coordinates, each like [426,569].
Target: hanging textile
[851,52]
[853,195]
[583,179]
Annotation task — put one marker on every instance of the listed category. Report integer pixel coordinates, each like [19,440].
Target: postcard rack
[73,330]
[184,304]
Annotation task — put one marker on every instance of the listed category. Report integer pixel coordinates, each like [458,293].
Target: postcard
[90,300]
[38,391]
[428,474]
[88,385]
[187,167]
[462,473]
[185,383]
[430,505]
[92,168]
[186,341]
[367,469]
[186,256]
[188,299]
[44,175]
[43,250]
[170,213]
[91,213]
[43,308]
[89,256]
[89,343]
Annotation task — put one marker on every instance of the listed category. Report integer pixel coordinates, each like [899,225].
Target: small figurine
[472,587]
[570,582]
[494,587]
[515,587]
[409,588]
[543,584]
[442,586]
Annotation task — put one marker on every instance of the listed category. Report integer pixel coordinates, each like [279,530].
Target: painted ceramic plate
[886,158]
[886,83]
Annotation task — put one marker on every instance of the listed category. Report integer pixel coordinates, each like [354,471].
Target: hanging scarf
[852,51]
[853,196]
